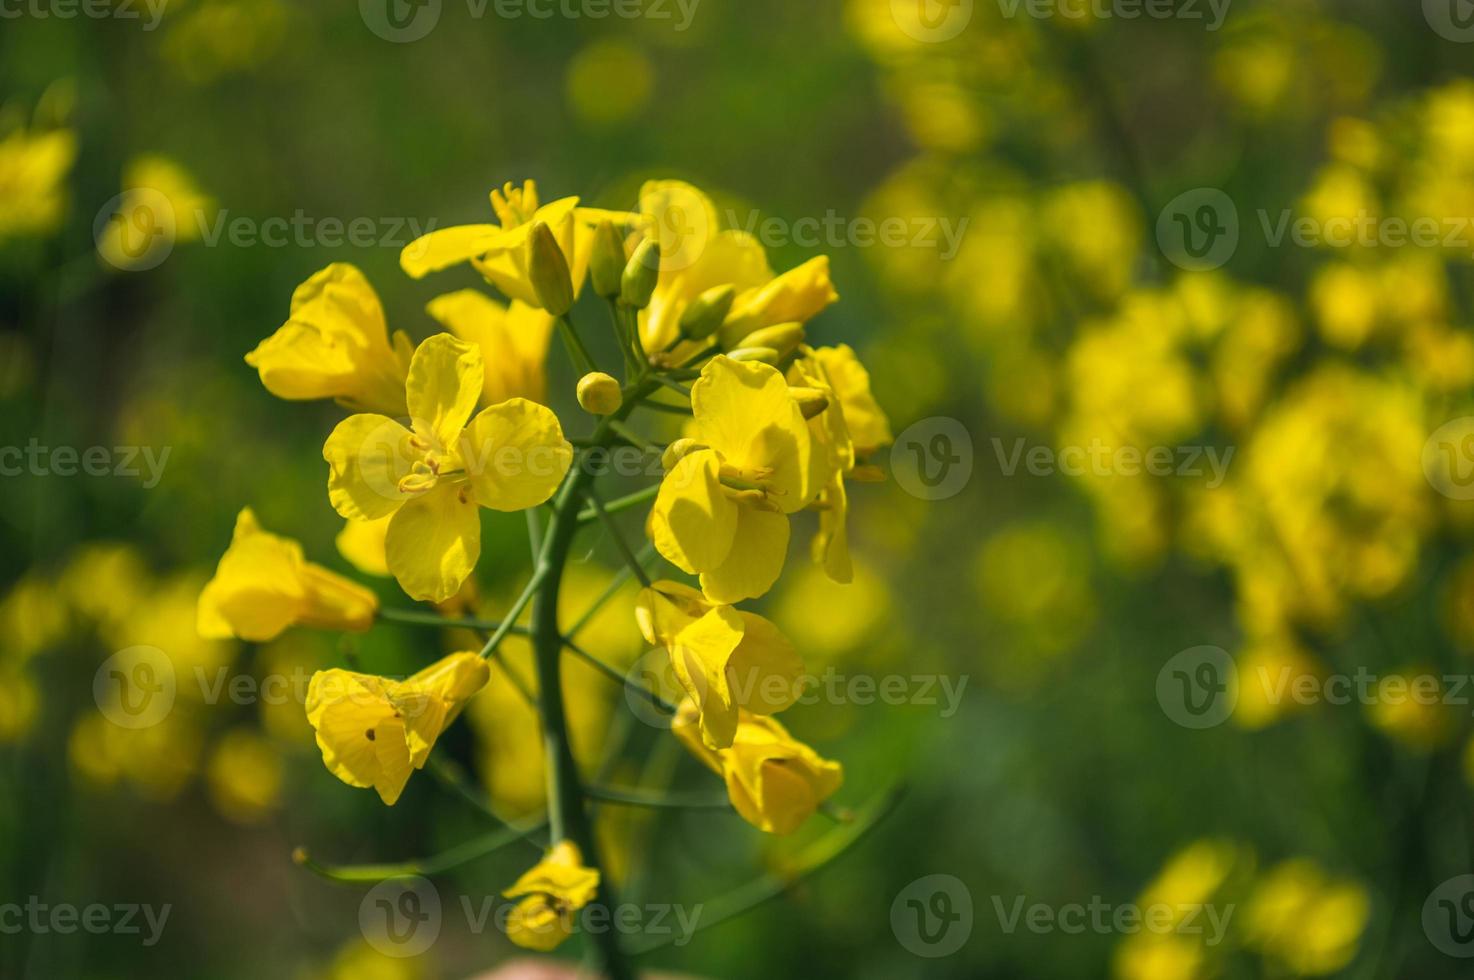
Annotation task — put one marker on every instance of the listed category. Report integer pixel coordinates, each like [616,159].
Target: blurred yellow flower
[33,169]
[263,585]
[362,544]
[550,892]
[245,776]
[161,206]
[1304,920]
[335,344]
[513,341]
[609,81]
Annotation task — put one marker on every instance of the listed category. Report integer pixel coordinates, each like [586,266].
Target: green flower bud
[811,401]
[784,338]
[547,267]
[599,394]
[607,260]
[640,275]
[766,355]
[706,313]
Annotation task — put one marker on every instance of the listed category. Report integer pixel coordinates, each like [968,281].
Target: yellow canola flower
[264,585]
[513,341]
[697,255]
[374,732]
[773,780]
[335,344]
[500,251]
[551,891]
[726,659]
[722,510]
[245,776]
[1305,920]
[33,170]
[431,478]
[837,373]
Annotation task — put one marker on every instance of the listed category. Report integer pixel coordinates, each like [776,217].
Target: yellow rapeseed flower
[725,658]
[513,341]
[722,510]
[374,732]
[773,780]
[554,888]
[335,344]
[264,585]
[432,477]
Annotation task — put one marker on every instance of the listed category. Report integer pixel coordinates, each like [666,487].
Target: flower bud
[784,338]
[641,274]
[678,451]
[599,394]
[707,311]
[766,355]
[811,401]
[606,261]
[547,268]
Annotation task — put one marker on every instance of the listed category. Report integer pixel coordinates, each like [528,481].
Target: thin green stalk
[539,572]
[577,352]
[455,857]
[656,800]
[616,582]
[668,409]
[534,532]
[619,678]
[589,514]
[675,386]
[812,859]
[411,617]
[631,562]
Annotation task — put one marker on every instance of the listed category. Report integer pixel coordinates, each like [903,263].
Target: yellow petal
[796,296]
[516,454]
[445,379]
[362,543]
[743,410]
[867,422]
[434,541]
[766,672]
[367,456]
[447,247]
[693,522]
[361,740]
[831,545]
[759,548]
[513,341]
[700,655]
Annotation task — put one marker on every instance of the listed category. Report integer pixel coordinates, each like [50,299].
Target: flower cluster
[458,423]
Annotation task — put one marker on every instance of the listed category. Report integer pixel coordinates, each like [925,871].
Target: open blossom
[850,427]
[33,169]
[773,780]
[722,510]
[335,344]
[697,255]
[513,341]
[500,251]
[550,892]
[430,479]
[263,585]
[374,732]
[725,658]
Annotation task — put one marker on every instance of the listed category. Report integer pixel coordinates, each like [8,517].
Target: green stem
[657,801]
[616,582]
[567,817]
[577,352]
[619,678]
[631,562]
[508,624]
[411,617]
[620,503]
[439,863]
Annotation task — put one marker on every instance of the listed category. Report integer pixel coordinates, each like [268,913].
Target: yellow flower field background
[860,488]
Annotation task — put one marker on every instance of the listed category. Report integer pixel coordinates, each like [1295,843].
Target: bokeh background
[1067,316]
